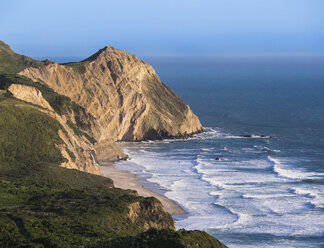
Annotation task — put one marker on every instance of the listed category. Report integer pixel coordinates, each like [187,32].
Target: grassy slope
[61,104]
[44,205]
[11,62]
[78,67]
[166,239]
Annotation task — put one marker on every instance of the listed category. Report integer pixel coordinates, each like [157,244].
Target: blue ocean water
[266,190]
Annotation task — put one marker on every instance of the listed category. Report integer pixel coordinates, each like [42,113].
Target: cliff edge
[46,205]
[123,93]
[110,96]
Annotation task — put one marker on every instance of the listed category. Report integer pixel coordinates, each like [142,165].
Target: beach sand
[126,180]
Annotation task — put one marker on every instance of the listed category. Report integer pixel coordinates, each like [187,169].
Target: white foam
[303,192]
[265,148]
[204,222]
[216,183]
[206,149]
[242,220]
[295,173]
[214,193]
[210,133]
[234,196]
[318,203]
[264,196]
[260,136]
[315,194]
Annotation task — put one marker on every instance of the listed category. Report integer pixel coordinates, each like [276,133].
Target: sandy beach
[126,180]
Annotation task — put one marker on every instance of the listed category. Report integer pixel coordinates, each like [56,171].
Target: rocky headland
[123,94]
[72,115]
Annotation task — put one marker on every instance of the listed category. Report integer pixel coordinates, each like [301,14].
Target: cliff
[114,97]
[76,149]
[123,93]
[77,146]
[46,205]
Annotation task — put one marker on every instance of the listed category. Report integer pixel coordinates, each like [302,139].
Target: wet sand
[126,180]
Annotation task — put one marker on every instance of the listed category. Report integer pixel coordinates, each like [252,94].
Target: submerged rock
[246,136]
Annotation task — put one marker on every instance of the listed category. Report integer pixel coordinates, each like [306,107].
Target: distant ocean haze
[266,190]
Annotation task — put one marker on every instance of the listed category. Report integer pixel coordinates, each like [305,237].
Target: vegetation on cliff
[11,62]
[27,135]
[165,239]
[45,205]
[61,104]
[123,93]
[42,203]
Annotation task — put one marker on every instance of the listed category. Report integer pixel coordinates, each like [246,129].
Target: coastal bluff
[56,123]
[123,93]
[108,97]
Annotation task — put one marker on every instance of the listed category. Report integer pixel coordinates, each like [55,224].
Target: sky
[75,28]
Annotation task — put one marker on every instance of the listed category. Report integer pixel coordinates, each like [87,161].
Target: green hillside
[11,62]
[45,205]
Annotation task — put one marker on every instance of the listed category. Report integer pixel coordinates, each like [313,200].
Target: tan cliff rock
[76,149]
[108,151]
[29,94]
[122,99]
[123,93]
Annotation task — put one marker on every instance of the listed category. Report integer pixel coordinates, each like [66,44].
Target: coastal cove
[263,119]
[53,193]
[162,124]
[253,178]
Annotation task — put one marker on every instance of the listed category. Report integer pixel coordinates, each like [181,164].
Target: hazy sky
[163,27]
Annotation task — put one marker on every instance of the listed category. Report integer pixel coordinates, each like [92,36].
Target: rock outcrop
[150,214]
[117,97]
[123,93]
[29,94]
[77,149]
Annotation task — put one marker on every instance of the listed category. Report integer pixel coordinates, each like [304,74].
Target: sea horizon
[162,124]
[255,177]
[234,96]
[147,58]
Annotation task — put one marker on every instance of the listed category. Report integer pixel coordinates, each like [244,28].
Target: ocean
[255,178]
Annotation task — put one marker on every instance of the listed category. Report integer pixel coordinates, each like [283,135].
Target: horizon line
[277,55]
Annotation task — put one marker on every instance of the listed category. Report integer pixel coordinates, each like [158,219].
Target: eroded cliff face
[122,99]
[123,93]
[29,94]
[77,149]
